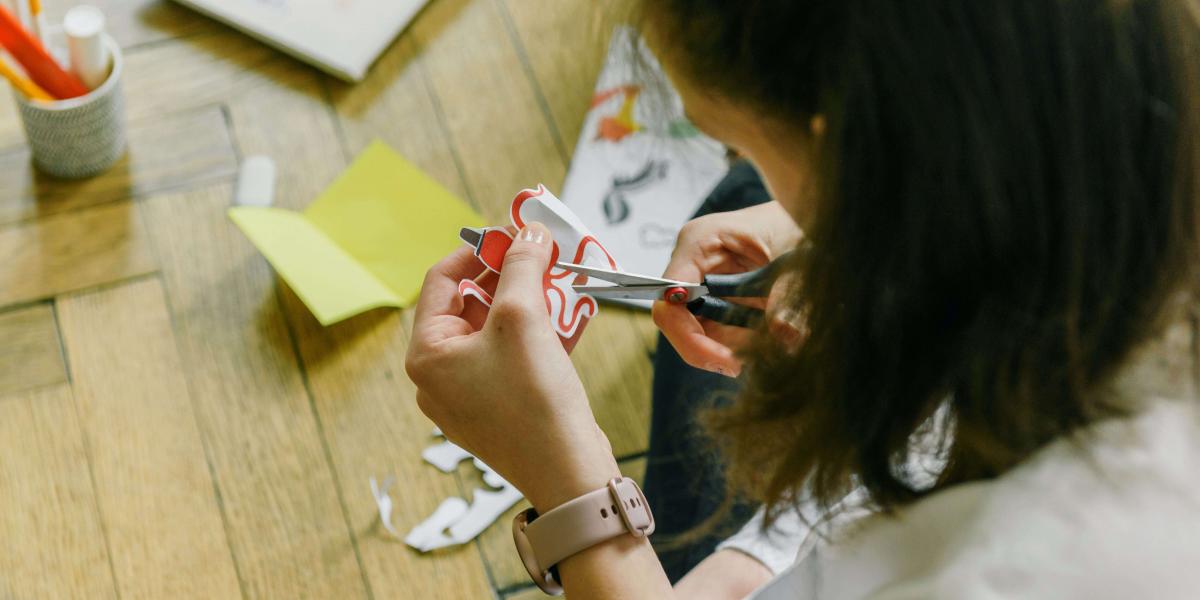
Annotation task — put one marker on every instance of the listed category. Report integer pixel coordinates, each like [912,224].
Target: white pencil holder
[78,137]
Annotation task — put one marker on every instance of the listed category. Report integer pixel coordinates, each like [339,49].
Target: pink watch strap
[544,540]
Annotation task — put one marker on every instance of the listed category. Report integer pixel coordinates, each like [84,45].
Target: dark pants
[684,475]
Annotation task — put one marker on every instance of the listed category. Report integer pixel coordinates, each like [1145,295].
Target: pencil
[39,22]
[22,83]
[32,56]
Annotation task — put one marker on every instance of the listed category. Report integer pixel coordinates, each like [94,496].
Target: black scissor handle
[724,311]
[751,284]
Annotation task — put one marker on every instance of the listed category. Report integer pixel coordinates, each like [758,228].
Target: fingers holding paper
[505,389]
[439,312]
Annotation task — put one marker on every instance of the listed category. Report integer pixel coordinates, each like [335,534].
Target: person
[684,480]
[976,378]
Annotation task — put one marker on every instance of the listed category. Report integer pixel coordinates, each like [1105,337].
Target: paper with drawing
[640,169]
[573,242]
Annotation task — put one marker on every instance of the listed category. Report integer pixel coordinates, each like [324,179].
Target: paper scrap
[431,533]
[454,521]
[366,241]
[255,181]
[446,456]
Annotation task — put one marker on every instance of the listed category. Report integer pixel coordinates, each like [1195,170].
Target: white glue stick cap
[256,182]
[84,28]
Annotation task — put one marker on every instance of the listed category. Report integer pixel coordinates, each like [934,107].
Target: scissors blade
[471,235]
[638,292]
[619,277]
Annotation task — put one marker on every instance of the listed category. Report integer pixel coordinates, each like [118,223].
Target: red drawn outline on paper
[468,287]
[570,316]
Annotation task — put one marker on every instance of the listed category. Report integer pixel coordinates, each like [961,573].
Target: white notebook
[342,37]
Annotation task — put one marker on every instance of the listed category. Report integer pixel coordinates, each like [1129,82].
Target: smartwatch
[544,540]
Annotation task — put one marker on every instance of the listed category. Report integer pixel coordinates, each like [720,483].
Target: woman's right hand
[727,242]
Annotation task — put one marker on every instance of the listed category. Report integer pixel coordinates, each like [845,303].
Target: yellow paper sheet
[366,241]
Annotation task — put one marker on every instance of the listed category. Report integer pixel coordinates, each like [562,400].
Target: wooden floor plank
[72,251]
[206,69]
[285,522]
[497,542]
[176,150]
[564,42]
[156,497]
[30,356]
[394,104]
[53,541]
[283,114]
[369,411]
[355,369]
[505,143]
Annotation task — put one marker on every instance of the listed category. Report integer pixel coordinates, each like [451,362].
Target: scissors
[705,299]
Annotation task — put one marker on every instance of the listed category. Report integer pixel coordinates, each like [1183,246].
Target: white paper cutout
[486,507]
[430,534]
[573,242]
[468,288]
[446,456]
[454,521]
[384,503]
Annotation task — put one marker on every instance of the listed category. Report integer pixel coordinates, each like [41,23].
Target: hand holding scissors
[705,299]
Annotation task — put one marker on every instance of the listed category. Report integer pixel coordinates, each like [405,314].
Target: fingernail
[534,232]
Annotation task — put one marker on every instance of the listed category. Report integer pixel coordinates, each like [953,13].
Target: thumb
[525,262]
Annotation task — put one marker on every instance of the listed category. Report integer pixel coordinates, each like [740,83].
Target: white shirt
[1113,512]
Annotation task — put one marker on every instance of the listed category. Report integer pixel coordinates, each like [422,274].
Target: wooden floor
[173,422]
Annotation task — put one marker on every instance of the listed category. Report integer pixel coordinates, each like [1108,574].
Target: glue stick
[84,28]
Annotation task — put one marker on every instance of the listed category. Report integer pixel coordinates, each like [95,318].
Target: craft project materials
[38,65]
[22,83]
[573,242]
[256,182]
[38,21]
[454,521]
[640,169]
[87,52]
[366,241]
[81,136]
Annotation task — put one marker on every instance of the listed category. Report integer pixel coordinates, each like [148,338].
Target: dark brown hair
[1007,204]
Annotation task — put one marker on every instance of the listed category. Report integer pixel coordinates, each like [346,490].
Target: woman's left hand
[500,384]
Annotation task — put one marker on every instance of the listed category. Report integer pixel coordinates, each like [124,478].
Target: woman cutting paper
[973,381]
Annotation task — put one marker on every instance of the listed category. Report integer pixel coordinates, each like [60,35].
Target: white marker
[87,53]
[256,182]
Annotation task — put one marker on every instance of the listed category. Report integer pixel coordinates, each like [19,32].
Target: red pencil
[40,67]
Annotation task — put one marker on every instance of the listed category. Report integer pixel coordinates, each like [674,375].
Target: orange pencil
[38,21]
[41,68]
[23,84]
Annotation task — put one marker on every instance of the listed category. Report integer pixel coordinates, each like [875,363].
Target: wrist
[571,474]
